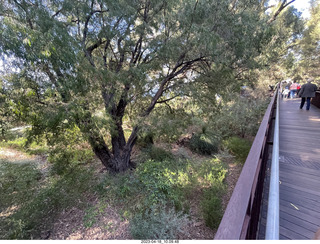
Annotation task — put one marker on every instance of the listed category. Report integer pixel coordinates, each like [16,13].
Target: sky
[301,5]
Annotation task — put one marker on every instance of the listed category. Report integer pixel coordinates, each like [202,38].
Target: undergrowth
[155,197]
[239,147]
[157,185]
[29,205]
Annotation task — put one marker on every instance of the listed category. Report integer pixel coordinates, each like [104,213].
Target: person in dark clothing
[307,91]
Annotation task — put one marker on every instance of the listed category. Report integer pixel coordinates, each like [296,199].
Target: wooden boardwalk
[299,172]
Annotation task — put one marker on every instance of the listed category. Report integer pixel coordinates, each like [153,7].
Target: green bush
[239,147]
[156,153]
[157,223]
[165,183]
[204,144]
[239,116]
[213,173]
[211,207]
[145,140]
[64,159]
[160,181]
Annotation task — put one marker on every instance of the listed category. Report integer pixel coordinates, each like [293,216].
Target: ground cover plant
[158,191]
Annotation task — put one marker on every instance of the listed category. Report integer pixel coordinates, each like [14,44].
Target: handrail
[241,217]
[272,229]
[316,100]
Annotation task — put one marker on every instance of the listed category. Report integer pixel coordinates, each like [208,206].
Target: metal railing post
[272,228]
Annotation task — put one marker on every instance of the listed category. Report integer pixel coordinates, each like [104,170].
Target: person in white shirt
[285,92]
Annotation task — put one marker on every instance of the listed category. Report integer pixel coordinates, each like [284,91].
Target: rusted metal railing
[240,220]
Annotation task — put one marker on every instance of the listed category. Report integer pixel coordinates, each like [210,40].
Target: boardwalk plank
[296,180]
[302,188]
[299,170]
[299,207]
[305,216]
[291,235]
[289,190]
[299,157]
[300,222]
[297,198]
[310,168]
[304,233]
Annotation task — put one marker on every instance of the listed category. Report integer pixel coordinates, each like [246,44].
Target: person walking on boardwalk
[285,92]
[307,91]
[293,89]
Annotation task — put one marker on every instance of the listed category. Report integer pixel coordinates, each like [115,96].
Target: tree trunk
[101,150]
[119,161]
[121,149]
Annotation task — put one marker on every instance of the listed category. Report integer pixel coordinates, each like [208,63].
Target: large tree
[74,59]
[309,48]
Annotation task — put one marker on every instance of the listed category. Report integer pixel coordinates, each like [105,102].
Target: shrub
[241,116]
[145,140]
[239,147]
[156,153]
[64,159]
[204,144]
[158,179]
[158,222]
[213,173]
[212,208]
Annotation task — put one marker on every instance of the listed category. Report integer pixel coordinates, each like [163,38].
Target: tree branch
[58,12]
[96,45]
[178,69]
[167,100]
[283,5]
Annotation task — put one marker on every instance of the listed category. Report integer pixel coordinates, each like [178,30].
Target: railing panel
[316,100]
[237,222]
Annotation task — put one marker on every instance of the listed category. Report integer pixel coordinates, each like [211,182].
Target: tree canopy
[85,63]
[308,49]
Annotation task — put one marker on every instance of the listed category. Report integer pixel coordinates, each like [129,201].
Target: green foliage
[309,46]
[156,223]
[211,207]
[64,159]
[18,143]
[90,217]
[18,183]
[32,203]
[213,174]
[204,144]
[166,183]
[145,140]
[156,153]
[160,180]
[168,122]
[73,61]
[239,147]
[240,116]
[17,138]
